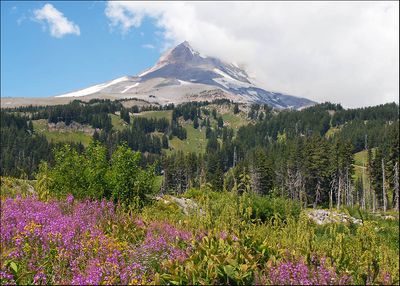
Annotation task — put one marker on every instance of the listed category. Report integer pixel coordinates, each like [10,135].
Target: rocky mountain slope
[183,74]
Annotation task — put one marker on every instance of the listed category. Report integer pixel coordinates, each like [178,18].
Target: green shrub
[91,175]
[267,207]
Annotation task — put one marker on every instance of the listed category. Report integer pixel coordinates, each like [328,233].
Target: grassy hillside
[195,142]
[117,122]
[360,158]
[360,163]
[235,121]
[156,114]
[332,131]
[40,126]
[231,120]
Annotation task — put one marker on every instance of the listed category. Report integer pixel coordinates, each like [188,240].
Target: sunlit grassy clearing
[40,126]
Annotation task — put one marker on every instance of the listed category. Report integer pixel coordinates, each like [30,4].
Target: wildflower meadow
[81,242]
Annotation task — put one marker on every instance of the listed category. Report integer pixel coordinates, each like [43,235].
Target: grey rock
[188,206]
[322,217]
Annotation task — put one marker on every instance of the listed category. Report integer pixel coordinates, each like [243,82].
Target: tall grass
[227,239]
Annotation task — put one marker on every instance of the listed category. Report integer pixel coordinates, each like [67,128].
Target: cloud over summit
[338,51]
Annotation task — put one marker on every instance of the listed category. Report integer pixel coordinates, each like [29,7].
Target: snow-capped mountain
[183,74]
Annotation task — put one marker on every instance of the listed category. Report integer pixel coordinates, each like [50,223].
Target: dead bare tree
[363,188]
[234,156]
[339,190]
[300,184]
[255,180]
[384,186]
[163,189]
[396,187]
[283,180]
[333,189]
[317,195]
[348,188]
[293,183]
[373,201]
[289,182]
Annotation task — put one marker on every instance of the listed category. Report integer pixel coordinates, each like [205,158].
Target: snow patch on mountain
[182,82]
[94,88]
[220,72]
[182,74]
[228,81]
[130,87]
[154,68]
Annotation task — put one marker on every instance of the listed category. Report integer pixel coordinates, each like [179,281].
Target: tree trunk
[347,188]
[396,187]
[363,188]
[234,156]
[317,195]
[339,191]
[255,180]
[373,201]
[332,190]
[383,186]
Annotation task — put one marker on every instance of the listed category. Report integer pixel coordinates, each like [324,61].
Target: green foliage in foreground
[249,234]
[91,175]
[232,239]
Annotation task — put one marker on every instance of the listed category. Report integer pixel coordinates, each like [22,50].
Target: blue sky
[35,63]
[339,51]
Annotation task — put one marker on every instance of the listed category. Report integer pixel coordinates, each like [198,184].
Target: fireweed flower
[63,242]
[70,199]
[223,235]
[299,273]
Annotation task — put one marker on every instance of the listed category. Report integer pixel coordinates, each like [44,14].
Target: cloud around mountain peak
[337,50]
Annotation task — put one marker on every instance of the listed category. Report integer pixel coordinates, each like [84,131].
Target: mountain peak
[180,54]
[185,43]
[183,74]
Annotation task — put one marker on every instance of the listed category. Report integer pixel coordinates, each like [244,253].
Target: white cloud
[58,24]
[21,19]
[344,52]
[148,46]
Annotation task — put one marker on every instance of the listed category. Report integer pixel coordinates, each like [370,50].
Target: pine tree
[261,172]
[261,116]
[124,113]
[30,125]
[236,109]
[214,113]
[164,142]
[214,171]
[195,123]
[220,122]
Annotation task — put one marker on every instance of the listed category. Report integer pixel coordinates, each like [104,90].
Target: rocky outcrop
[72,127]
[321,217]
[186,205]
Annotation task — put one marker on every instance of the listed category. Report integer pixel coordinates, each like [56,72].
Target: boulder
[322,217]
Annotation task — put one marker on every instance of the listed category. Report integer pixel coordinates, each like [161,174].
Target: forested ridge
[199,193]
[305,155]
